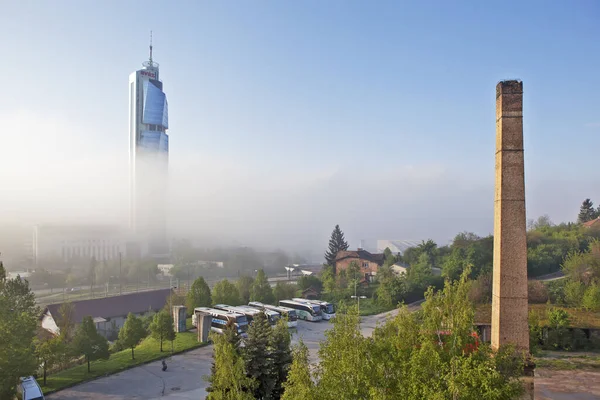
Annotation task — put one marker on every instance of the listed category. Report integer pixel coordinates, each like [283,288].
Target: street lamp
[358,300]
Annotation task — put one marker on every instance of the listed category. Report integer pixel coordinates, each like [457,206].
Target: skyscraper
[148,158]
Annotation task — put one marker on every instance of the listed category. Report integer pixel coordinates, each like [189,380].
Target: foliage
[225,292]
[587,212]
[284,290]
[244,285]
[591,298]
[161,327]
[18,322]
[573,293]
[50,353]
[257,358]
[481,289]
[228,380]
[131,333]
[308,281]
[281,356]
[198,295]
[299,385]
[261,289]
[89,343]
[337,243]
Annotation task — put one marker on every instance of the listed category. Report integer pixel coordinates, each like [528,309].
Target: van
[29,389]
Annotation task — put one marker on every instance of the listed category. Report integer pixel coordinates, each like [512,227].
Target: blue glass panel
[154,141]
[154,105]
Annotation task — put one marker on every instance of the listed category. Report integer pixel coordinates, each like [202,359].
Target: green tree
[420,274]
[591,298]
[198,295]
[226,292]
[281,355]
[261,289]
[346,365]
[18,322]
[89,343]
[387,253]
[66,326]
[307,281]
[337,243]
[284,290]
[131,333]
[50,352]
[161,327]
[574,292]
[257,356]
[587,212]
[244,285]
[228,380]
[299,384]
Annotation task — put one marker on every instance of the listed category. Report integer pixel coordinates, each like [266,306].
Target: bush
[591,298]
[481,290]
[537,292]
[574,291]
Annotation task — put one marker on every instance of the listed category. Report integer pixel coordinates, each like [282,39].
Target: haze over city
[289,118]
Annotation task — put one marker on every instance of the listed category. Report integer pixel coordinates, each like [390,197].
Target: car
[75,289]
[29,389]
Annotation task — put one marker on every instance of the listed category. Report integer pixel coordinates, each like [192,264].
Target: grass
[148,350]
[565,361]
[579,318]
[370,307]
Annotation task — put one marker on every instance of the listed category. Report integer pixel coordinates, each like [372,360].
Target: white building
[76,242]
[148,157]
[396,246]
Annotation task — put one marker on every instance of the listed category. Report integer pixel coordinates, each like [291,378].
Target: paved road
[183,379]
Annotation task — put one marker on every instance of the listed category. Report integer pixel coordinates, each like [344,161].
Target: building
[369,263]
[70,242]
[396,246]
[108,313]
[594,223]
[148,158]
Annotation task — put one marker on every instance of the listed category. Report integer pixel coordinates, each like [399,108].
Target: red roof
[593,222]
[361,254]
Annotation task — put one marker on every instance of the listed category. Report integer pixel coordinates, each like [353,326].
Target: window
[365,264]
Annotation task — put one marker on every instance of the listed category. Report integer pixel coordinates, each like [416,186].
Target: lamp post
[358,301]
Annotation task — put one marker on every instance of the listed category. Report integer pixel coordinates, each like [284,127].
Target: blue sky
[289,117]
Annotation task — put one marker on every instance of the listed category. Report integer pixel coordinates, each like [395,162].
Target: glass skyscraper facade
[148,157]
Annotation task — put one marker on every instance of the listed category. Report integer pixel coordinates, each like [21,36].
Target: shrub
[537,292]
[574,291]
[591,298]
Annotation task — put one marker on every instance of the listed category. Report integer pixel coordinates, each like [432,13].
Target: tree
[261,289]
[284,290]
[244,285]
[257,357]
[419,274]
[281,355]
[307,281]
[228,380]
[226,292]
[161,327]
[131,333]
[299,384]
[199,295]
[18,322]
[591,298]
[573,292]
[587,212]
[89,343]
[337,243]
[50,352]
[65,322]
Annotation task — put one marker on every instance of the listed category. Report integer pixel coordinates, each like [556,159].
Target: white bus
[29,389]
[327,309]
[250,312]
[220,319]
[289,313]
[307,312]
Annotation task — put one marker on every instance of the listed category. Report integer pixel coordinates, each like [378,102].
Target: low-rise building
[369,263]
[108,313]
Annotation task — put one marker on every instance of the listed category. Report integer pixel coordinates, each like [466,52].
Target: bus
[288,313]
[29,389]
[307,312]
[250,312]
[221,318]
[327,309]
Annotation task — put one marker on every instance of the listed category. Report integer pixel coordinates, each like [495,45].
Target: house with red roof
[369,263]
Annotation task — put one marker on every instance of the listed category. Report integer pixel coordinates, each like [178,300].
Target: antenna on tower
[150,47]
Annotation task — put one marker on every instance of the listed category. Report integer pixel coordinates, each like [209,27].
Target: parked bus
[307,312]
[29,389]
[221,318]
[250,312]
[327,309]
[288,313]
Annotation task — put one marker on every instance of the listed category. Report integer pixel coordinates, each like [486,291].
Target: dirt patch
[571,384]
